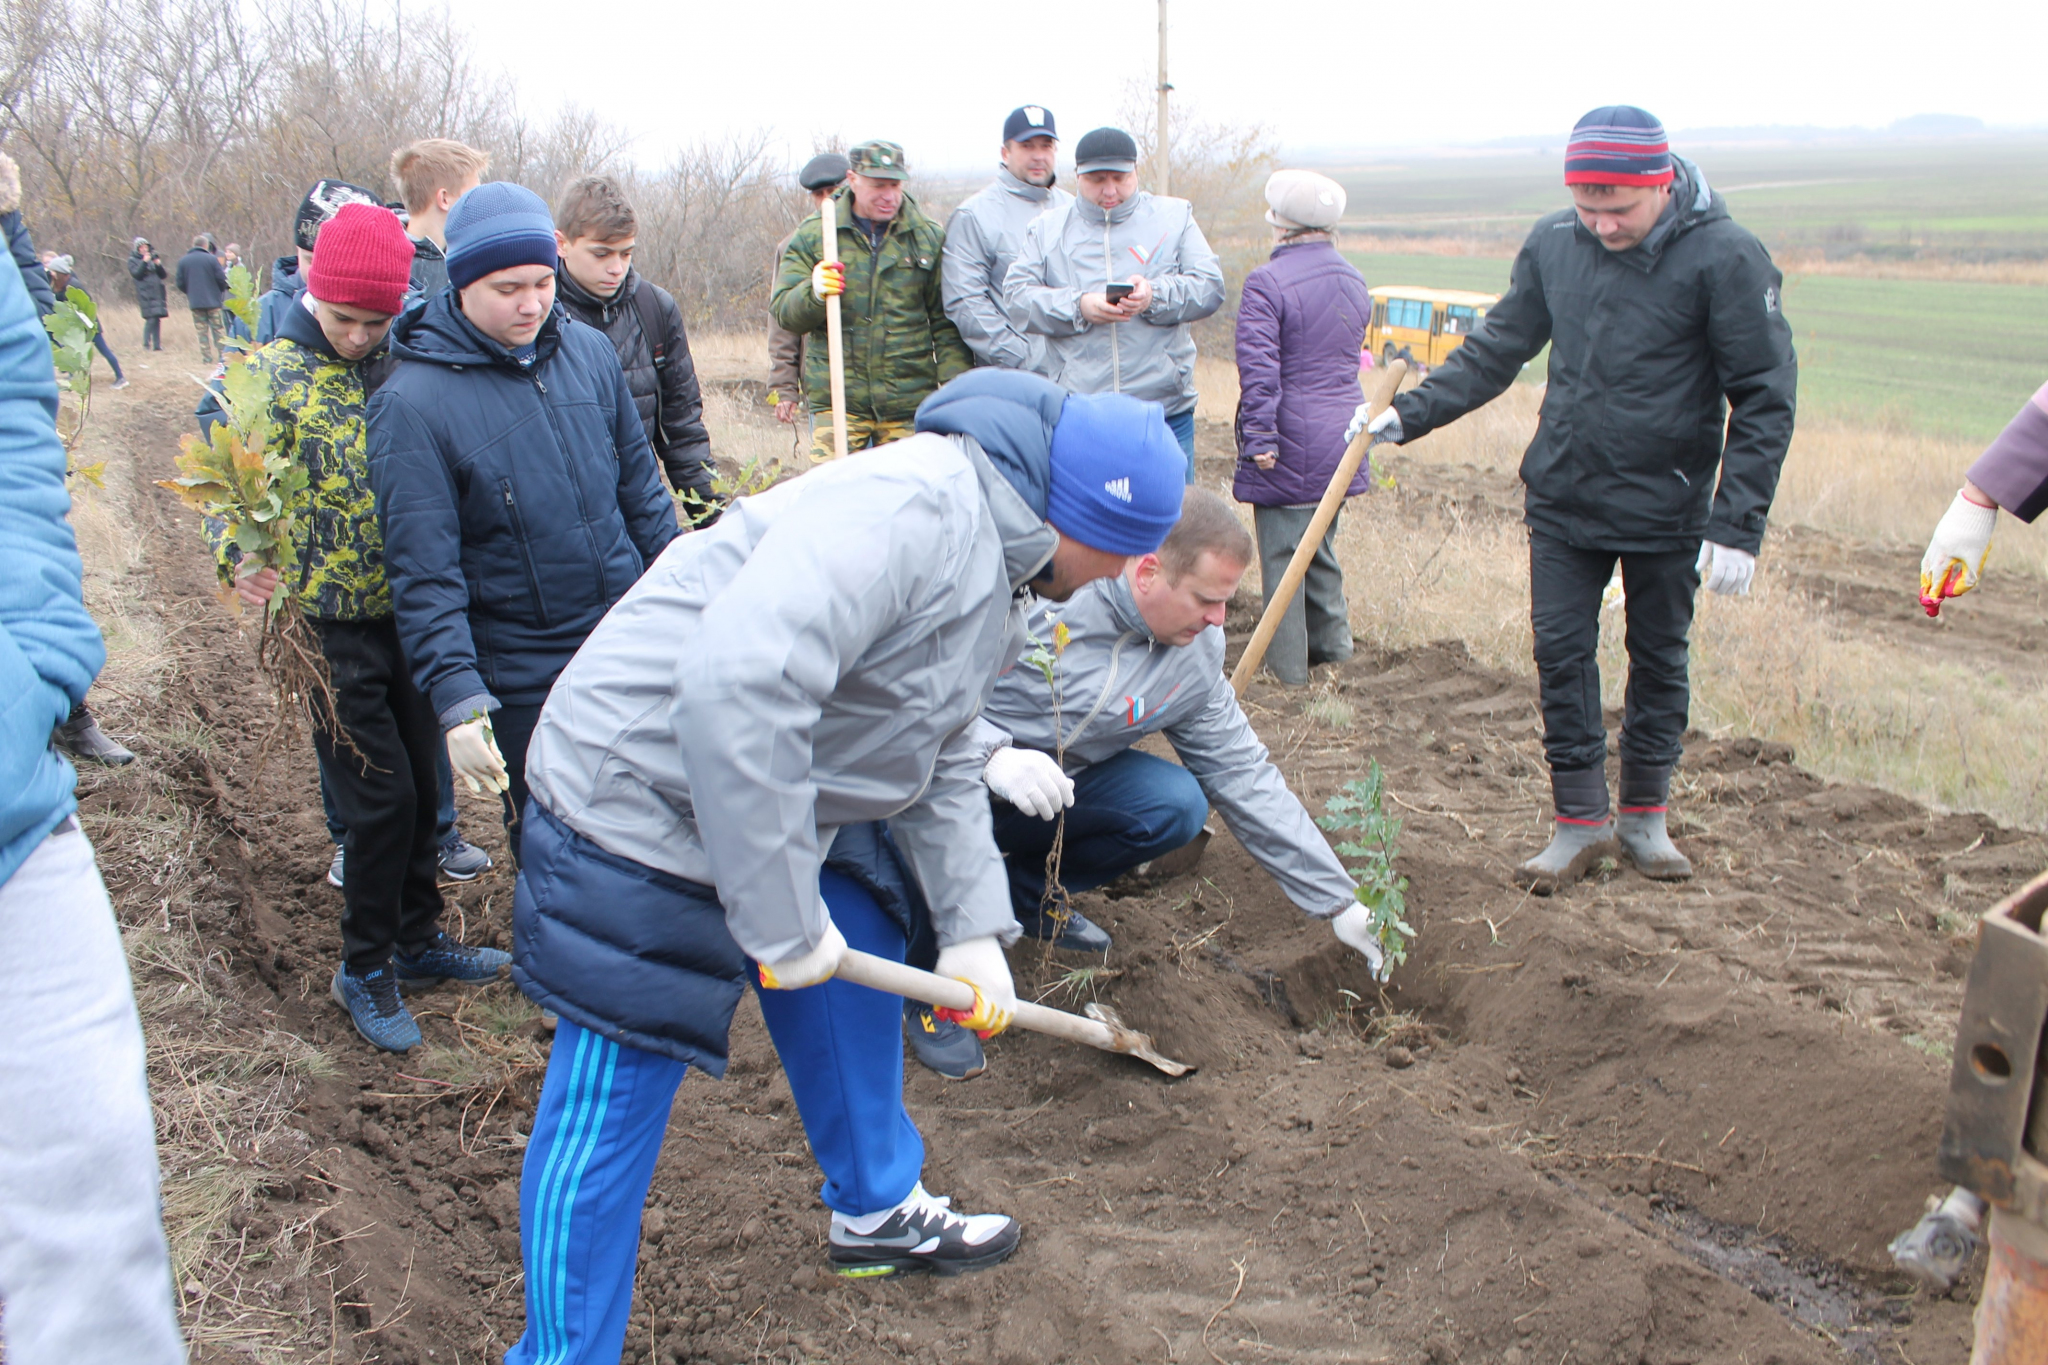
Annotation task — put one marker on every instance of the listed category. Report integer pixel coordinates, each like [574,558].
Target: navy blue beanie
[496,227]
[1118,475]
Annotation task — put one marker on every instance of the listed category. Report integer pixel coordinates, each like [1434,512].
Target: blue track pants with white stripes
[604,1109]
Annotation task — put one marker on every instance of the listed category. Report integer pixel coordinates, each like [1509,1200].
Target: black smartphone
[1116,293]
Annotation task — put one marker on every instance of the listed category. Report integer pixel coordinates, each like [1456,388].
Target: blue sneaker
[941,1044]
[462,861]
[374,1007]
[444,959]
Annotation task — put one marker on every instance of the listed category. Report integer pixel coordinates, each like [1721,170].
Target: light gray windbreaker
[1118,685]
[982,239]
[1076,250]
[811,661]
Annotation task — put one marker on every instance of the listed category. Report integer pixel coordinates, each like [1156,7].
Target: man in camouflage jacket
[898,343]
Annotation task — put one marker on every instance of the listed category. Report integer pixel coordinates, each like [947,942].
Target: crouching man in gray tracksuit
[755,762]
[1144,655]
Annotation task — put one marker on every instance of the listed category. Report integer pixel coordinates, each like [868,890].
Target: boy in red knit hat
[321,369]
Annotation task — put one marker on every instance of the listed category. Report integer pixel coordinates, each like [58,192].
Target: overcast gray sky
[939,75]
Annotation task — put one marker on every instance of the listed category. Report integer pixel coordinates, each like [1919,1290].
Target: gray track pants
[1317,626]
[84,1273]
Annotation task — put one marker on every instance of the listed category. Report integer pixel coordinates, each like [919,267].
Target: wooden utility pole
[1162,153]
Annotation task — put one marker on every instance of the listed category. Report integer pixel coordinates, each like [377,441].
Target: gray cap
[1303,199]
[823,171]
[61,265]
[1105,149]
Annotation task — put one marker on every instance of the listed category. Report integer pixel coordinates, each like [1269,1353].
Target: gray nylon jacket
[1118,685]
[1075,250]
[811,661]
[982,240]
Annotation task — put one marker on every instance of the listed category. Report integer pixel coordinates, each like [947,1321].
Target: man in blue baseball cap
[985,232]
[758,760]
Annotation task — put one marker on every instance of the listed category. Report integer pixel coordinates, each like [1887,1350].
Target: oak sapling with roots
[1376,838]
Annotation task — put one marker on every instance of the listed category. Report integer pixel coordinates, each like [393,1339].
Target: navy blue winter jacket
[518,502]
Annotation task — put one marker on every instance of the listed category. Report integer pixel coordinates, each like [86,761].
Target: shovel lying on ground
[1101,1028]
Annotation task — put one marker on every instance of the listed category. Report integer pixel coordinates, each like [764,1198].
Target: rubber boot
[1644,793]
[1582,835]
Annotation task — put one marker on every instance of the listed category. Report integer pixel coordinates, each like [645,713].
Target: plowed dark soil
[1573,1129]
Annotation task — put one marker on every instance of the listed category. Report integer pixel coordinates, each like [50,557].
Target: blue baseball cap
[1029,120]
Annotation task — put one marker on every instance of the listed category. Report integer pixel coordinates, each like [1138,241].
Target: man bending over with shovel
[1143,656]
[772,688]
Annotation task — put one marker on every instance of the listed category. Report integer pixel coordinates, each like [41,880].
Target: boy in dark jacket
[431,175]
[382,777]
[518,494]
[1665,328]
[595,231]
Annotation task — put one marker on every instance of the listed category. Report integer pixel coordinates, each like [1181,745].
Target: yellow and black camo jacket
[318,411]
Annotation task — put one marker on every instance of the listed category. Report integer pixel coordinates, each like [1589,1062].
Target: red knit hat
[362,259]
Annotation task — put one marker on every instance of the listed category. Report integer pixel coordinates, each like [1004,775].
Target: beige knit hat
[1303,199]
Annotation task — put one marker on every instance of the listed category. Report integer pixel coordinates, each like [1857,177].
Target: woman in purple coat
[1300,324]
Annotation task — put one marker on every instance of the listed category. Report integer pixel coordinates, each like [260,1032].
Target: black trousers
[1565,584]
[385,791]
[152,334]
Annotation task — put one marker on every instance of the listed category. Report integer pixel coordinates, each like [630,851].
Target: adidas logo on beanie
[1117,473]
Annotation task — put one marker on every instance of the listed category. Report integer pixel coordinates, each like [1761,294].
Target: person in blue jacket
[518,494]
[84,1271]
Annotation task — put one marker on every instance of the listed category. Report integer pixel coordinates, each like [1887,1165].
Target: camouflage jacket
[318,414]
[898,342]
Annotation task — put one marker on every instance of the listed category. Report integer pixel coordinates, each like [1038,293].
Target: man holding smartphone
[1112,281]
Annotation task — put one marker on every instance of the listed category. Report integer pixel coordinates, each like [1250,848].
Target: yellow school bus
[1423,324]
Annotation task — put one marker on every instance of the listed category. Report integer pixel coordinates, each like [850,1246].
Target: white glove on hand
[1725,570]
[1955,556]
[981,964]
[474,756]
[1384,427]
[1029,780]
[1354,929]
[807,969]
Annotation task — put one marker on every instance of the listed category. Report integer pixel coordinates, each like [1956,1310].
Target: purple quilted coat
[1300,323]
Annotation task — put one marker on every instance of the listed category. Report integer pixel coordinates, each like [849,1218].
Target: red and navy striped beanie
[1618,145]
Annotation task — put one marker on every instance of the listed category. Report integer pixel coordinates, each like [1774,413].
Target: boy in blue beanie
[756,762]
[518,496]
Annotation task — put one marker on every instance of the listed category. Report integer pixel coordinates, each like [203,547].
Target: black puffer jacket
[149,284]
[670,403]
[1655,352]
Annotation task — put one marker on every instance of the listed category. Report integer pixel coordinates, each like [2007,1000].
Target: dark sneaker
[942,1045]
[923,1233]
[444,959]
[82,738]
[334,869]
[1081,934]
[373,1005]
[462,861]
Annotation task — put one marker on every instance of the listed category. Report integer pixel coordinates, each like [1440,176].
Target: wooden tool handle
[879,973]
[1312,539]
[835,359]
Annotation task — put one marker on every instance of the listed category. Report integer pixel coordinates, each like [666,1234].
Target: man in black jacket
[203,280]
[595,231]
[1670,362]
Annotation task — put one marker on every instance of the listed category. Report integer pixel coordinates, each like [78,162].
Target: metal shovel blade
[1133,1043]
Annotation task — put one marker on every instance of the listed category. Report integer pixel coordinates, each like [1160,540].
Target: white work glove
[828,279]
[1029,780]
[1354,930]
[1955,556]
[474,756]
[1385,427]
[981,964]
[808,968]
[1725,570]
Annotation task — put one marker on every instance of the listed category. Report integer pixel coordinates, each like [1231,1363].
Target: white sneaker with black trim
[921,1233]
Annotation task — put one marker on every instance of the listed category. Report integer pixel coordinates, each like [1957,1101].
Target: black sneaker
[1080,934]
[445,959]
[923,1233]
[942,1045]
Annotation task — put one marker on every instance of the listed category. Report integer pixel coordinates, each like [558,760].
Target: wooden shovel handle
[879,973]
[835,358]
[1319,525]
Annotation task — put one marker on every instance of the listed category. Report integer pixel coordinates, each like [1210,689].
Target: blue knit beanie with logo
[1118,475]
[496,227]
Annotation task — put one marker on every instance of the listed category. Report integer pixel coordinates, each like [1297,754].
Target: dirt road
[1634,1123]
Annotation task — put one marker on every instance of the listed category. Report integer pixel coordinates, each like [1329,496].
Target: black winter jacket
[518,503]
[1658,355]
[202,279]
[429,269]
[149,285]
[670,390]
